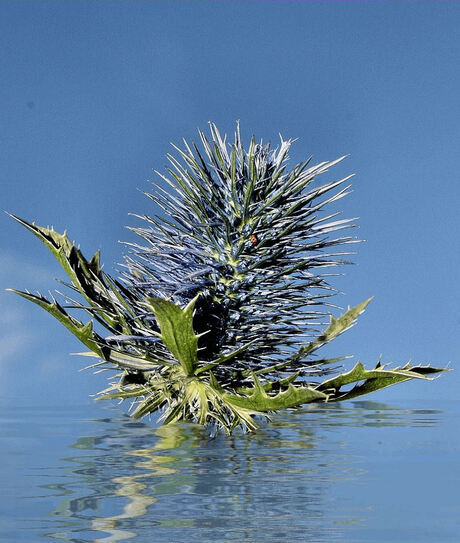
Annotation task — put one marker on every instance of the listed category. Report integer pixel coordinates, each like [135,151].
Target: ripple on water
[313,474]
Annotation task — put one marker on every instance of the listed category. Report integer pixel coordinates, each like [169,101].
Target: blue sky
[92,93]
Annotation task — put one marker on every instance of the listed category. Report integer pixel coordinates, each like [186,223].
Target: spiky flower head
[215,317]
[247,234]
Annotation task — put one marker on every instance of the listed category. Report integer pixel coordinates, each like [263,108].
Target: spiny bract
[213,316]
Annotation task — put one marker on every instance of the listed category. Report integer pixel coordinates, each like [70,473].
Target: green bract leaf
[84,332]
[176,325]
[379,377]
[260,401]
[125,360]
[86,276]
[336,327]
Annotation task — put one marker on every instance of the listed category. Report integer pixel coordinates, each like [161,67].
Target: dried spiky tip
[248,234]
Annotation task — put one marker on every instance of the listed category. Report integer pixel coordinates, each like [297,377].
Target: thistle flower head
[247,233]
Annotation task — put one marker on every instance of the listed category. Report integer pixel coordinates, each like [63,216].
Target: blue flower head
[246,233]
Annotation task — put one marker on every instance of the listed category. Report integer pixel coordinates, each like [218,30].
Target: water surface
[358,471]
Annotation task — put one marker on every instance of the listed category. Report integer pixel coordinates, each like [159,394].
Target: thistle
[215,316]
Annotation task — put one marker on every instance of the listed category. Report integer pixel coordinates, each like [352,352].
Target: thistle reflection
[132,481]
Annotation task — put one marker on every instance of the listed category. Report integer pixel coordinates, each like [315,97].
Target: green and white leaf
[368,381]
[336,327]
[84,332]
[86,276]
[260,401]
[176,325]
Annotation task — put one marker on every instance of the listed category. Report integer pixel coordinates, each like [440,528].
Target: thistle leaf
[86,276]
[260,401]
[65,252]
[131,362]
[335,328]
[84,332]
[375,379]
[176,325]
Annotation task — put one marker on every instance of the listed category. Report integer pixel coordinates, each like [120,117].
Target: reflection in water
[152,465]
[372,414]
[176,484]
